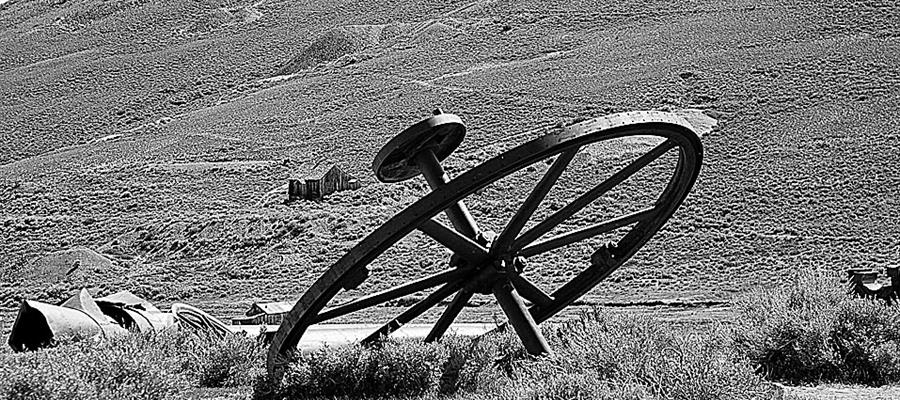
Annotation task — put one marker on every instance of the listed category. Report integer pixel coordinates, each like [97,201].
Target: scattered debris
[323,180]
[685,75]
[81,316]
[198,320]
[109,138]
[863,283]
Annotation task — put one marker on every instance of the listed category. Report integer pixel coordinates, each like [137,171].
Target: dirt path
[837,392]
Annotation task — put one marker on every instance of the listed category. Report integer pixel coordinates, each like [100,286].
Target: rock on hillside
[79,263]
[332,45]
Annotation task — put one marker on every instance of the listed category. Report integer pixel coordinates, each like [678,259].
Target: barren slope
[217,103]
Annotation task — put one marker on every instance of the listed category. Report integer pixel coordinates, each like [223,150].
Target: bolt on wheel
[496,265]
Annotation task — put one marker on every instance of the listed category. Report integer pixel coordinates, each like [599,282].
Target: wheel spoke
[582,201]
[453,309]
[575,288]
[530,291]
[588,232]
[521,319]
[526,210]
[416,310]
[455,241]
[391,294]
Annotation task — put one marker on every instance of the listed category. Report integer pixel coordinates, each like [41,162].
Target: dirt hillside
[151,131]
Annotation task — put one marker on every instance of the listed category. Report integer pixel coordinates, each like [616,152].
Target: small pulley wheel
[440,133]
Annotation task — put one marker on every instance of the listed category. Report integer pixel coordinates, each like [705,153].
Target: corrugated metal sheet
[198,320]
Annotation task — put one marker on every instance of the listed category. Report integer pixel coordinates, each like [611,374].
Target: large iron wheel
[493,265]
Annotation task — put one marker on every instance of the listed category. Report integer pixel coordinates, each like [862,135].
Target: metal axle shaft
[436,177]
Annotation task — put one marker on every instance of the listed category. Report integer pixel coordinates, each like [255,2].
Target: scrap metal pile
[82,316]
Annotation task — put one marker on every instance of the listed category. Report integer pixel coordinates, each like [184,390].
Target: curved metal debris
[199,320]
[40,324]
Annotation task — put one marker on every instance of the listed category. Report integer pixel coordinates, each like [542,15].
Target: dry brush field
[146,135]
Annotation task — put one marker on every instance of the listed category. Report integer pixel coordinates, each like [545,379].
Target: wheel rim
[509,245]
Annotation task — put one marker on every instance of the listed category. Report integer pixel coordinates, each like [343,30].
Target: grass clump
[137,366]
[813,331]
[638,357]
[598,356]
[40,376]
[227,362]
[395,368]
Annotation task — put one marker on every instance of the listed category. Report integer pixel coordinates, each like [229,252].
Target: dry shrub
[585,386]
[42,375]
[88,370]
[394,368]
[813,331]
[228,362]
[639,357]
[137,366]
[598,356]
[867,337]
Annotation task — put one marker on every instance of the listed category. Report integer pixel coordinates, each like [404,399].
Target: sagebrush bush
[813,331]
[647,357]
[39,376]
[88,370]
[135,366]
[130,367]
[229,362]
[867,337]
[394,368]
[598,356]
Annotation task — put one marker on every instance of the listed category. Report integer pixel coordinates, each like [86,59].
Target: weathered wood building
[320,182]
[864,283]
[264,314]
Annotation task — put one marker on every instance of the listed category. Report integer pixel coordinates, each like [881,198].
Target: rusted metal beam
[416,310]
[391,294]
[461,245]
[520,319]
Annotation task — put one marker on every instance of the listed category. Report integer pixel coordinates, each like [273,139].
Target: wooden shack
[863,282]
[320,182]
[264,313]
